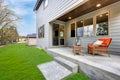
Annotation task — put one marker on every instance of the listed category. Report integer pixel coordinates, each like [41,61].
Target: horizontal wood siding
[114,28]
[55,9]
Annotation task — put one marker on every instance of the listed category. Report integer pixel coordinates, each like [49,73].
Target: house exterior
[59,22]
[31,39]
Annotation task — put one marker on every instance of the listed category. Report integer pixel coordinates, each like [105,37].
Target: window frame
[41,32]
[96,23]
[87,25]
[80,27]
[74,30]
[45,5]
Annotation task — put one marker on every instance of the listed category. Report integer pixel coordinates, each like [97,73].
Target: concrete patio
[98,67]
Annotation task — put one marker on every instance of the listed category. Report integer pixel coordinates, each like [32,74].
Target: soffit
[87,7]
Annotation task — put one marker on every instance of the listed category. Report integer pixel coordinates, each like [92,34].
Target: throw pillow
[98,42]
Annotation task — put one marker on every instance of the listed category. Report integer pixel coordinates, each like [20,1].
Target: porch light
[69,17]
[81,21]
[101,15]
[98,5]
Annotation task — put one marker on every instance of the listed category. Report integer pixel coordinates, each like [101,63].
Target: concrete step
[67,64]
[53,71]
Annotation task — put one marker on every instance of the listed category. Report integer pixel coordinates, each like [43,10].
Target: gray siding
[55,9]
[114,28]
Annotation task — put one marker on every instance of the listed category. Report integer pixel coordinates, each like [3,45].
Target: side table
[78,50]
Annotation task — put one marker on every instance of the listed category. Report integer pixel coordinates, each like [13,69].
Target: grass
[77,76]
[19,62]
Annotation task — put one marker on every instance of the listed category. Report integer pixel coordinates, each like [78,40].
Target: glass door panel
[61,35]
[55,34]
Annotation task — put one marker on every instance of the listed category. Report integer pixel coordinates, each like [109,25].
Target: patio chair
[100,48]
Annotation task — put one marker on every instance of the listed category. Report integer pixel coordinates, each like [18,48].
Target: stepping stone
[67,64]
[53,71]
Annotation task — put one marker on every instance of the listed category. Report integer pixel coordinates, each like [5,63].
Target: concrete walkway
[53,71]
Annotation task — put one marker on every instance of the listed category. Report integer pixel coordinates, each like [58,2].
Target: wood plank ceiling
[87,7]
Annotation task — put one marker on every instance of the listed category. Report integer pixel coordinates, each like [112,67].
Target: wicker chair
[99,49]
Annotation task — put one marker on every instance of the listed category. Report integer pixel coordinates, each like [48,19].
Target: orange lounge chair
[99,49]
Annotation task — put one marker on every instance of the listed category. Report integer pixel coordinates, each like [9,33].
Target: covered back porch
[101,22]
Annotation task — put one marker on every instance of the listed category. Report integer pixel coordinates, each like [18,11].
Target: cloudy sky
[24,9]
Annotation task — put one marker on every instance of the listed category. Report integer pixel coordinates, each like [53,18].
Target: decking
[98,67]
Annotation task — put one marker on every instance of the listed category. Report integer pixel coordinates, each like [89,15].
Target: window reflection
[88,27]
[80,28]
[102,24]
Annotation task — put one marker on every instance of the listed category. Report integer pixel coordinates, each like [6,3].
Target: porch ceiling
[87,7]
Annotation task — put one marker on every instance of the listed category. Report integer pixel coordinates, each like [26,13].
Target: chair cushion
[96,47]
[90,46]
[106,41]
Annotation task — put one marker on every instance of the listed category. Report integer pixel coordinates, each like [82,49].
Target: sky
[24,9]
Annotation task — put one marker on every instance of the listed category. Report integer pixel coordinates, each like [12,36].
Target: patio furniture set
[101,46]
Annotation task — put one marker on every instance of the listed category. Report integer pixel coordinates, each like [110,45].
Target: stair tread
[54,71]
[68,64]
[66,61]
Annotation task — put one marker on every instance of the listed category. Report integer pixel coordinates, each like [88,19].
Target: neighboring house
[22,39]
[31,39]
[60,21]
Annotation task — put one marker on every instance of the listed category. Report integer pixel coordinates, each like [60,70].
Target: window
[45,3]
[80,28]
[88,27]
[73,30]
[102,24]
[41,32]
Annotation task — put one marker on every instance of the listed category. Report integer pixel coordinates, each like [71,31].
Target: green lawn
[19,62]
[77,76]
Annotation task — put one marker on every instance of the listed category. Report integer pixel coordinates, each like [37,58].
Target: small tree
[7,22]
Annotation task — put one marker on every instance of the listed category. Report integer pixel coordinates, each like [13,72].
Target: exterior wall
[31,41]
[54,10]
[114,27]
[57,8]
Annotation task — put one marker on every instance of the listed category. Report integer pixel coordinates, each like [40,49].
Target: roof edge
[37,5]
